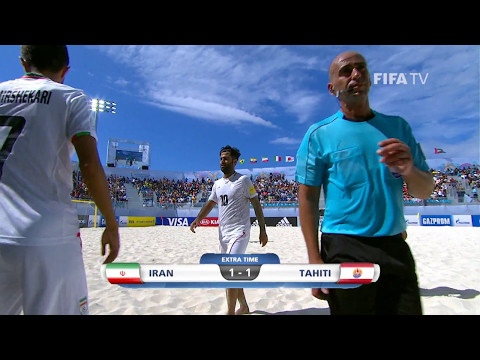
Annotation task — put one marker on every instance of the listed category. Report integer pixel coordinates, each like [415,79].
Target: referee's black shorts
[395,292]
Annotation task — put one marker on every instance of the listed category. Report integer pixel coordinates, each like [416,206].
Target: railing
[434,202]
[266,204]
[199,204]
[150,202]
[121,204]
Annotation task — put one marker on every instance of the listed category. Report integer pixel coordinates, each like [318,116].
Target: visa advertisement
[86,221]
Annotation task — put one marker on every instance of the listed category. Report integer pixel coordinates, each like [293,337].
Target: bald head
[350,80]
[340,60]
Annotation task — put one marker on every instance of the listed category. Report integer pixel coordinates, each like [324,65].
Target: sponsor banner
[412,220]
[436,220]
[83,221]
[186,221]
[462,220]
[91,221]
[286,221]
[123,221]
[100,220]
[175,221]
[141,221]
[102,223]
[209,222]
[476,220]
[86,221]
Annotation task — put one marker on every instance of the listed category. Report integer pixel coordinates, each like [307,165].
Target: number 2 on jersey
[10,129]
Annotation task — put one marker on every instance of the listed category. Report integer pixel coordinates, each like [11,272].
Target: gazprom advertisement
[133,221]
[436,220]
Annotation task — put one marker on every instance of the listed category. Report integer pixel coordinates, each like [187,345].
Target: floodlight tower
[99,105]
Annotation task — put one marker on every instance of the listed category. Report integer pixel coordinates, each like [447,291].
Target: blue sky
[188,101]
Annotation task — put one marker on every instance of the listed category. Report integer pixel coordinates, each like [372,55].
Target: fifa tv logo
[400,78]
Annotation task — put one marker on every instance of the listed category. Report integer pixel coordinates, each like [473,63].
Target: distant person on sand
[233,193]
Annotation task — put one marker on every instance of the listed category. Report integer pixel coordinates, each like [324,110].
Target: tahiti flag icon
[358,273]
[126,273]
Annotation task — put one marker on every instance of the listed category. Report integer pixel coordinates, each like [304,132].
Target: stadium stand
[452,186]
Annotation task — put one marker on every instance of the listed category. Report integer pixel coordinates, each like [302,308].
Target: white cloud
[263,84]
[118,81]
[286,141]
[222,83]
[209,110]
[303,104]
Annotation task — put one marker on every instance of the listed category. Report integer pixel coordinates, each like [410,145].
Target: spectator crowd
[116,184]
[271,188]
[451,182]
[168,191]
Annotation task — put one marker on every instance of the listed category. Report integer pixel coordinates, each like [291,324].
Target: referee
[361,158]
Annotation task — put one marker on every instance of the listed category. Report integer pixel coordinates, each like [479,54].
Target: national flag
[264,159]
[126,273]
[439,151]
[242,161]
[83,305]
[289,159]
[356,273]
[253,161]
[278,158]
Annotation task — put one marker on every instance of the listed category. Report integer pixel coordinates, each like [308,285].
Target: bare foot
[242,310]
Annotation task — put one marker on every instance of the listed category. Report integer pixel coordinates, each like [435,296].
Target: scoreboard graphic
[240,271]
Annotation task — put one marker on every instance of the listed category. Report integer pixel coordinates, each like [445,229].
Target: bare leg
[232,295]
[243,303]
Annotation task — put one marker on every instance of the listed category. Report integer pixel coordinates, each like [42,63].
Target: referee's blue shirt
[363,197]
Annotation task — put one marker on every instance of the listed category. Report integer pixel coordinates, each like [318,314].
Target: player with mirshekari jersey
[42,122]
[233,193]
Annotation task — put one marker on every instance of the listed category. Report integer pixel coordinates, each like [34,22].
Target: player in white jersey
[233,193]
[42,122]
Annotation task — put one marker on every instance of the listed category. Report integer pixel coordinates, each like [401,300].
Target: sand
[447,261]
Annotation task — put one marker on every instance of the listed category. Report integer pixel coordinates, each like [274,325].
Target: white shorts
[43,280]
[235,243]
